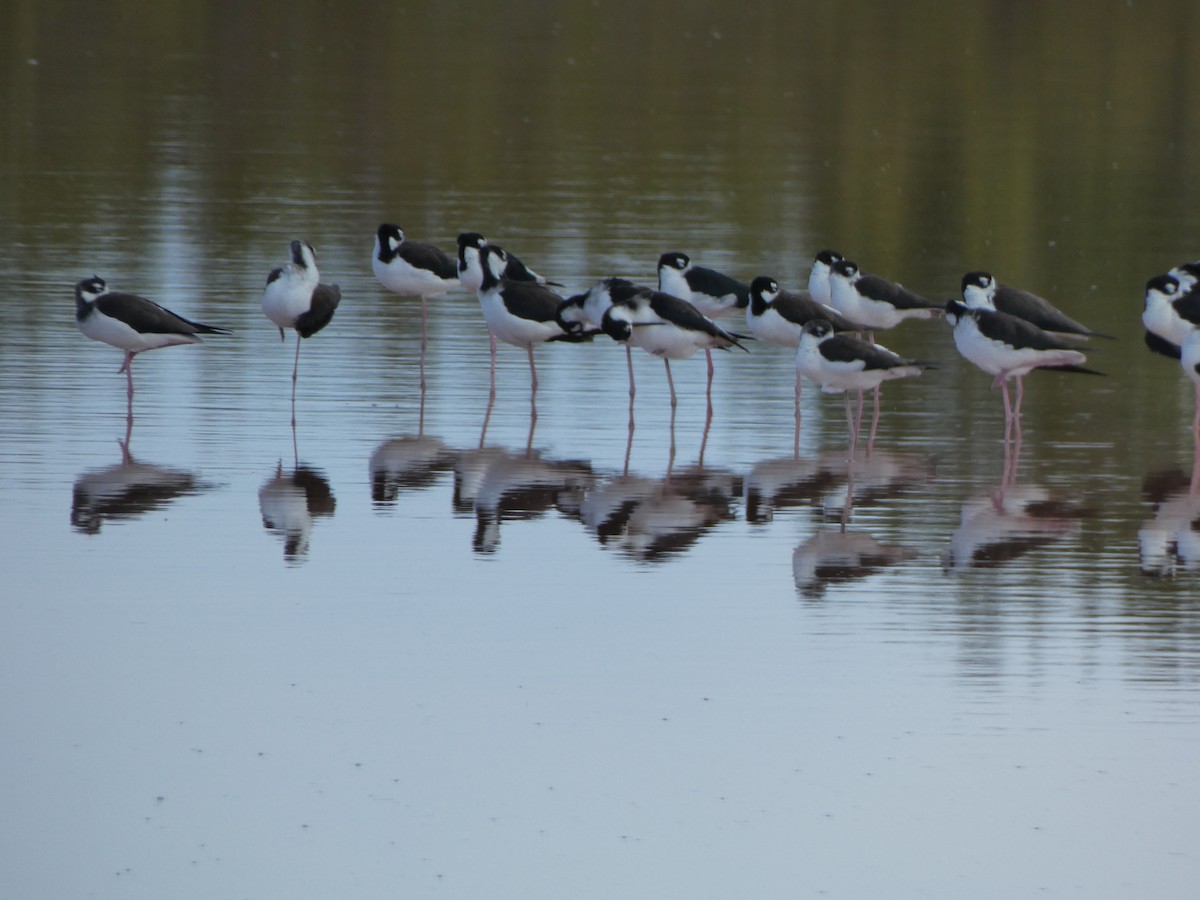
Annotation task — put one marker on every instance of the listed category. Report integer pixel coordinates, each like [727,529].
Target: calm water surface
[420,646]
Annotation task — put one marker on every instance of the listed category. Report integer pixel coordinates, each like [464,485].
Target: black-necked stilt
[470,244]
[412,269]
[1005,347]
[295,298]
[131,323]
[521,313]
[715,294]
[1171,311]
[981,291]
[872,302]
[777,316]
[818,276]
[667,327]
[841,362]
[586,311]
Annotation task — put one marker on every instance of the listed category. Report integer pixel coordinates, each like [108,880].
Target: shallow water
[419,645]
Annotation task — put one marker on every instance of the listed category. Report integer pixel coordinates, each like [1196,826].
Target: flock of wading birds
[1005,331]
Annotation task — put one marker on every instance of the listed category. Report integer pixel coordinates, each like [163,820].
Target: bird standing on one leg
[131,323]
[295,298]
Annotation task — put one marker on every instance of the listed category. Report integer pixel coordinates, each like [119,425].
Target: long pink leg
[874,422]
[492,337]
[708,356]
[532,371]
[629,363]
[127,368]
[852,424]
[670,381]
[796,439]
[295,376]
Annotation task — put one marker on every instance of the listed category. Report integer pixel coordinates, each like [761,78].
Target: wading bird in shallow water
[521,313]
[777,316]
[667,327]
[981,291]
[585,311]
[841,362]
[131,323]
[412,269]
[715,294]
[295,298]
[1007,347]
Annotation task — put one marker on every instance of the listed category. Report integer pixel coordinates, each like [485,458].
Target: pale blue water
[390,654]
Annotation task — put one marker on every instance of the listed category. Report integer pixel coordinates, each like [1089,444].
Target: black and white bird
[131,323]
[715,294]
[776,315]
[295,298]
[980,290]
[521,313]
[1171,311]
[412,268]
[1006,347]
[470,245]
[872,302]
[585,312]
[666,326]
[818,276]
[840,362]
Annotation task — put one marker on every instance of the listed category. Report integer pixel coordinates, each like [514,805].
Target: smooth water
[420,645]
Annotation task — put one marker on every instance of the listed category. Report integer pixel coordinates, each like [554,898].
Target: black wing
[1162,346]
[427,256]
[679,312]
[530,300]
[846,348]
[718,284]
[1038,310]
[324,301]
[876,288]
[800,308]
[1017,332]
[148,317]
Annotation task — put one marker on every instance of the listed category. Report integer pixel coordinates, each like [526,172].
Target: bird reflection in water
[127,490]
[407,463]
[496,485]
[652,520]
[1170,541]
[1005,524]
[291,502]
[842,555]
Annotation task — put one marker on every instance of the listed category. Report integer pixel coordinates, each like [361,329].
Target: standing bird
[412,269]
[981,291]
[713,293]
[818,276]
[843,362]
[521,313]
[131,323]
[583,311]
[872,302]
[1171,311]
[667,327]
[1005,347]
[778,316]
[295,298]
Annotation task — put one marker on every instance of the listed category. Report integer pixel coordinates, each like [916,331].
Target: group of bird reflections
[1005,331]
